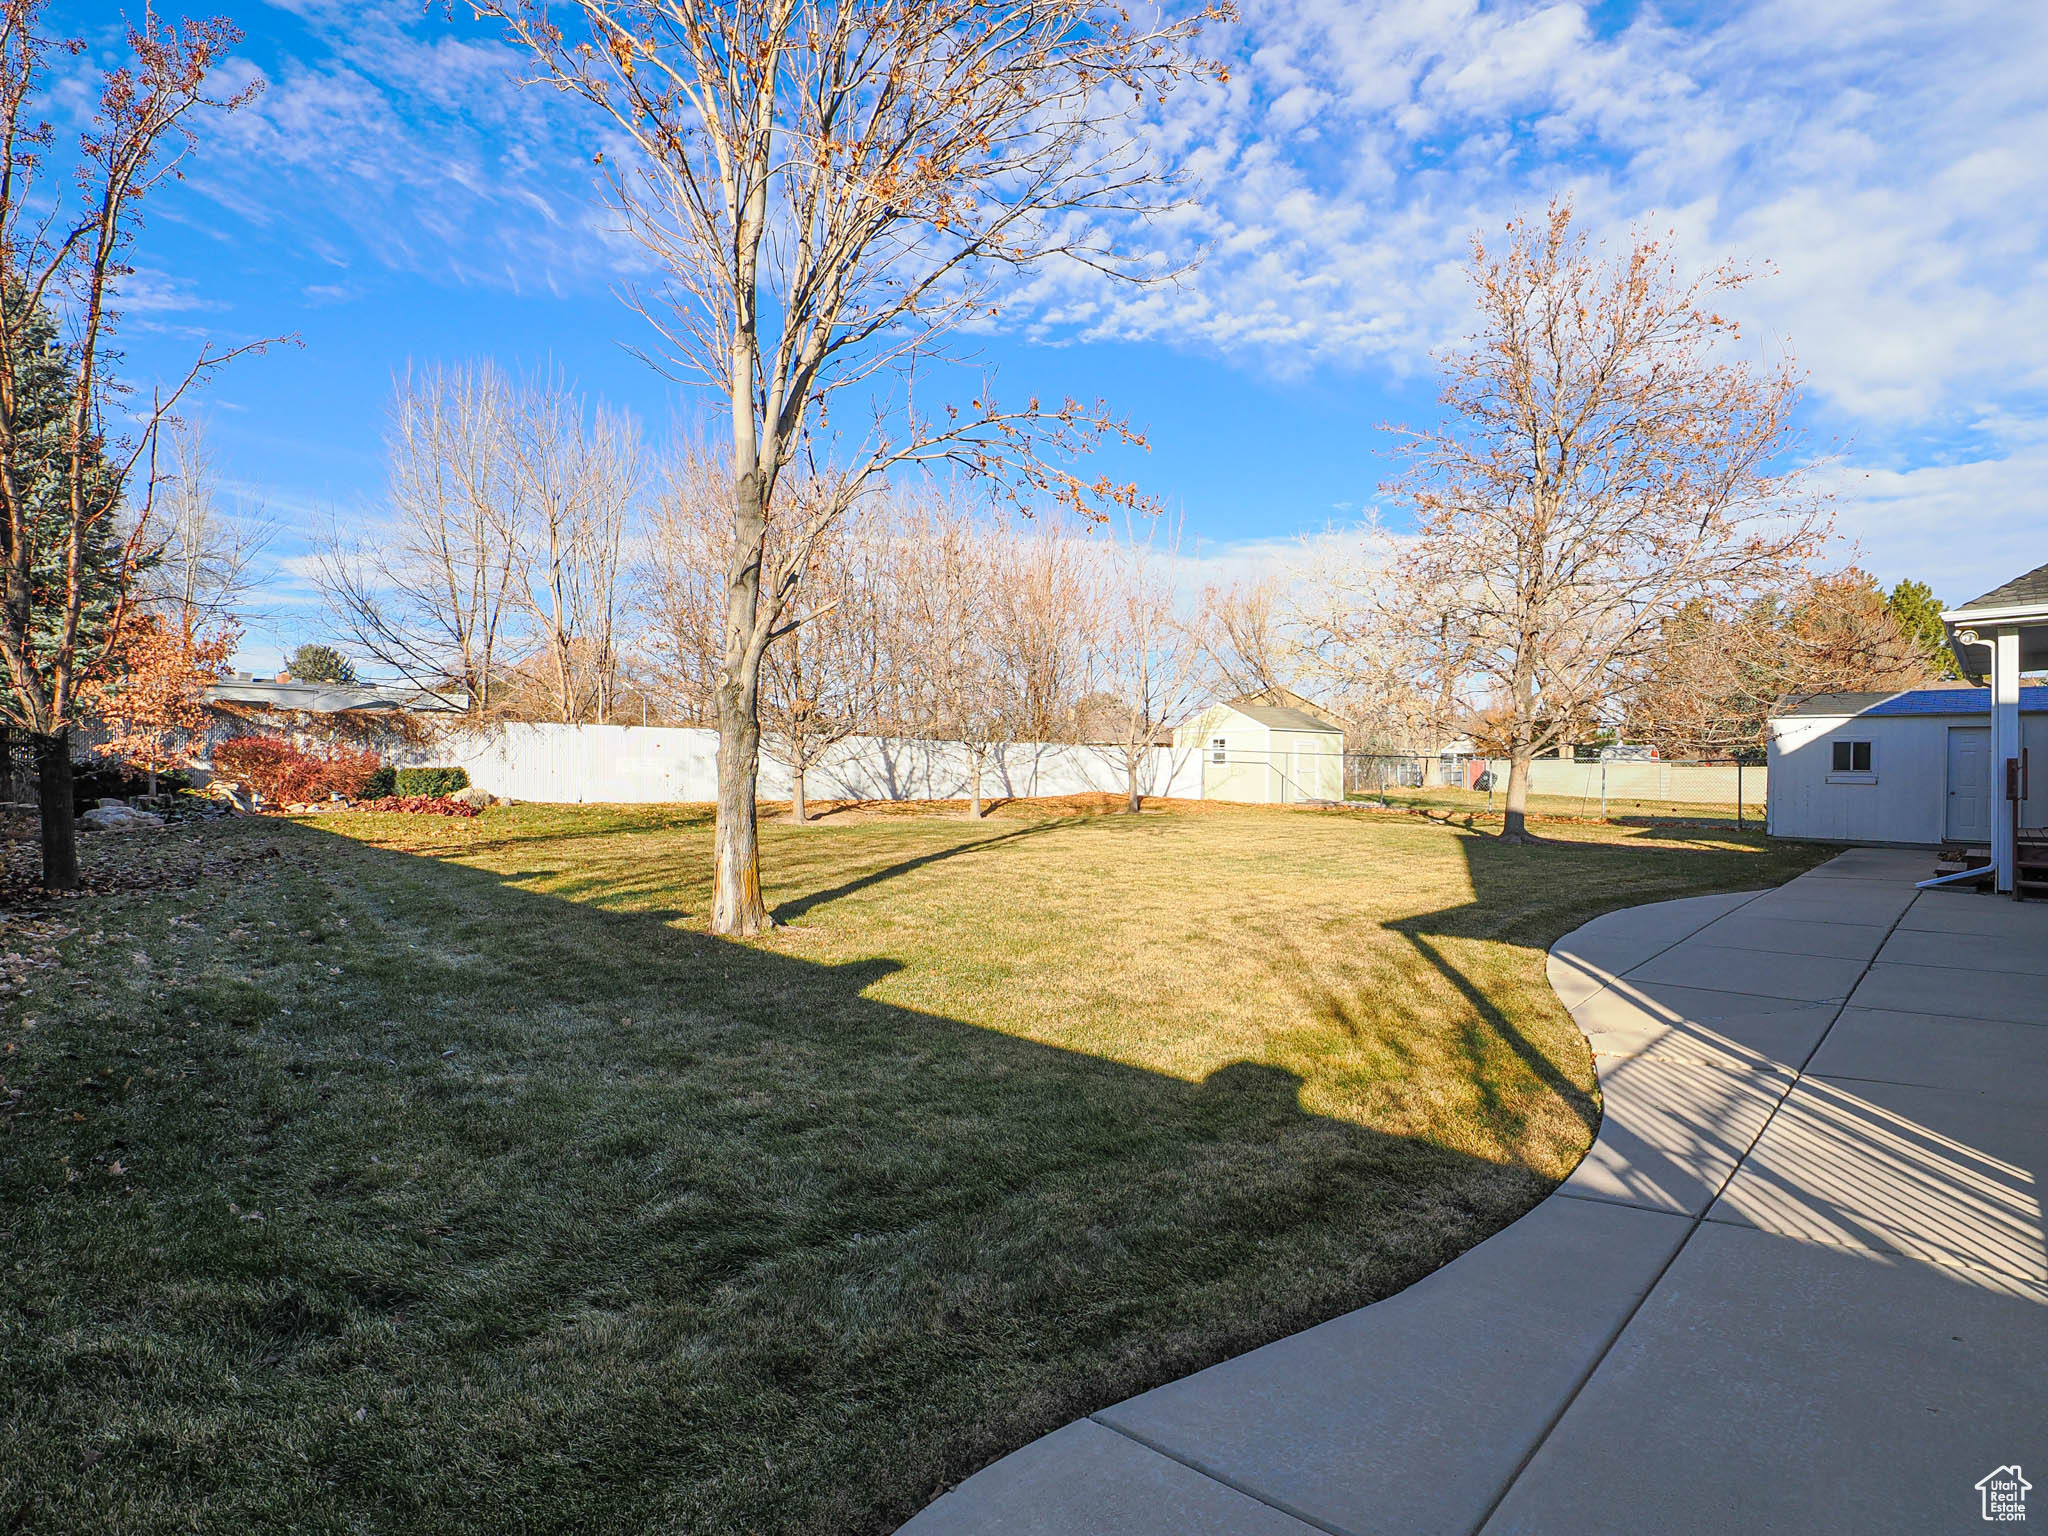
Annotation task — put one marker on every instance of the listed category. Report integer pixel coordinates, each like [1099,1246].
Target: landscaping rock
[474,796]
[113,816]
[238,798]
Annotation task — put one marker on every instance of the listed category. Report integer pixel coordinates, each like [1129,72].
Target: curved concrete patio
[1798,1284]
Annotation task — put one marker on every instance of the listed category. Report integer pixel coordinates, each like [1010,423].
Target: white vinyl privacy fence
[636,763]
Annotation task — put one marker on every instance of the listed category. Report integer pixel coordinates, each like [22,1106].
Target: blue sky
[394,198]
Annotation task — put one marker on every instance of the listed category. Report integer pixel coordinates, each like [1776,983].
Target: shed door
[1969,783]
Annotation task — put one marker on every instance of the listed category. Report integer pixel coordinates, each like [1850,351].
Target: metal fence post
[1603,791]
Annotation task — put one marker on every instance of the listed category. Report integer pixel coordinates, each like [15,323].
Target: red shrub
[347,773]
[283,774]
[422,805]
[269,765]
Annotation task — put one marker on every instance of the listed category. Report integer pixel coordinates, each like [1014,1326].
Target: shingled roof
[2021,602]
[2028,591]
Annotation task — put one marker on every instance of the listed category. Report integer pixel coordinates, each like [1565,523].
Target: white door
[1969,783]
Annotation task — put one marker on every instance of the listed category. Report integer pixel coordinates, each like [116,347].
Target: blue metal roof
[1919,701]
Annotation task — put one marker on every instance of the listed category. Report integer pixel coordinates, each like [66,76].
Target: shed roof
[1916,701]
[1279,717]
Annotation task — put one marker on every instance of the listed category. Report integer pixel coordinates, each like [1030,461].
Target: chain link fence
[1677,788]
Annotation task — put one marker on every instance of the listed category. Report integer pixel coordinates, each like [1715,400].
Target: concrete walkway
[1798,1284]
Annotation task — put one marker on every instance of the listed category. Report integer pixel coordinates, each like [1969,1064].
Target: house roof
[2028,591]
[2021,603]
[1916,701]
[1279,717]
[329,698]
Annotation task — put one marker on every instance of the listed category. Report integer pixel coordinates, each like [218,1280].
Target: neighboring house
[246,693]
[1912,767]
[1266,753]
[370,714]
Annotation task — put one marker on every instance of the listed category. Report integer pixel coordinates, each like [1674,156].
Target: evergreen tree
[45,381]
[1914,605]
[320,664]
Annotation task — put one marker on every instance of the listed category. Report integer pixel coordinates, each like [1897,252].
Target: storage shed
[1910,767]
[1265,752]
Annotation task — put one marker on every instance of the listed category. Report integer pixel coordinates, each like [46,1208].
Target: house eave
[2019,613]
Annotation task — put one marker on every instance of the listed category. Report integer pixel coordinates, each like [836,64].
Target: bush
[347,774]
[283,773]
[431,783]
[381,783]
[269,765]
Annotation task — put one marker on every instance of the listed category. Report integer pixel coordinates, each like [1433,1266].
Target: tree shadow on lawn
[573,1220]
[790,911]
[1532,895]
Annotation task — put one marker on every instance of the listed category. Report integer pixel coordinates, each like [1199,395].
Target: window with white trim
[1217,750]
[1852,757]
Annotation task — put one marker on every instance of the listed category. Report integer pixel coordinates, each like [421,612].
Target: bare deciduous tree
[432,593]
[679,585]
[1608,459]
[950,571]
[202,561]
[67,478]
[510,507]
[821,682]
[1244,636]
[832,188]
[1715,677]
[1148,661]
[1042,621]
[574,480]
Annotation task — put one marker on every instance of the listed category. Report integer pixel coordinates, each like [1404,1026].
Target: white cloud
[1871,152]
[1879,164]
[418,140]
[1962,527]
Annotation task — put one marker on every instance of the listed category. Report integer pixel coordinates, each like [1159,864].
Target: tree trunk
[974,780]
[1131,783]
[799,812]
[1514,824]
[59,813]
[737,910]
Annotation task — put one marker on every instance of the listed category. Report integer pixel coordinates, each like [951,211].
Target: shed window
[1852,757]
[1216,750]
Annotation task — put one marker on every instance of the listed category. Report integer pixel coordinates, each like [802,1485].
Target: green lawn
[405,1174]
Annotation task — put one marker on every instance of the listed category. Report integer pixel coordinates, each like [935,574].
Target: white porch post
[2005,743]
